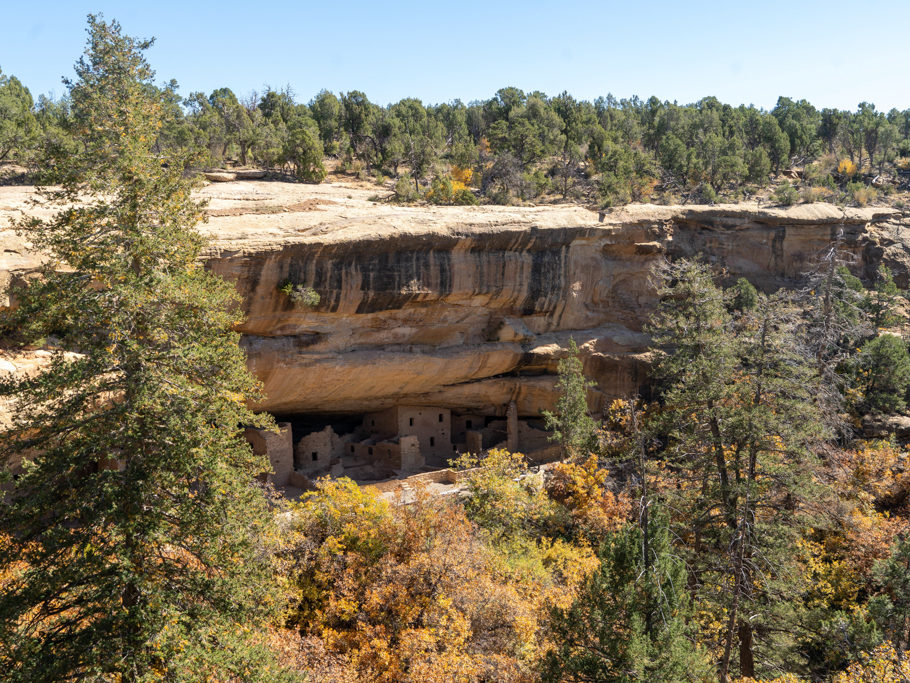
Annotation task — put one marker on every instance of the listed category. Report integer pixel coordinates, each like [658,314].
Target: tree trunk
[746,657]
[721,464]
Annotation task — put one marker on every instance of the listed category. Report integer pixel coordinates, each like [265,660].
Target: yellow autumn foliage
[847,168]
[462,176]
[411,592]
[883,665]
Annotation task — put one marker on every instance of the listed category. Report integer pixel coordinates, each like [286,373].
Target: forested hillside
[519,146]
[747,517]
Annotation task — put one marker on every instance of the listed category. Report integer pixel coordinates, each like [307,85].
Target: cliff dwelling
[438,331]
[397,441]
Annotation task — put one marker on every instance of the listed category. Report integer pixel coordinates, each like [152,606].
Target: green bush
[786,194]
[861,194]
[707,193]
[303,151]
[444,190]
[501,197]
[759,166]
[745,296]
[534,184]
[300,294]
[405,191]
[613,190]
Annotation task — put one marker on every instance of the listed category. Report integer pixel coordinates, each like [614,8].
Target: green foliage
[891,609]
[707,194]
[571,425]
[138,537]
[505,498]
[861,194]
[881,303]
[445,190]
[519,144]
[300,294]
[19,132]
[759,166]
[786,195]
[799,121]
[405,192]
[631,620]
[745,296]
[303,150]
[885,365]
[326,111]
[739,421]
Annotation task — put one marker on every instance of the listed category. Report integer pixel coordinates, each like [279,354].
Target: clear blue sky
[833,53]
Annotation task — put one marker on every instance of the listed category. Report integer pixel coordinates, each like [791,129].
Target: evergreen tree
[739,421]
[630,619]
[745,296]
[303,149]
[834,306]
[885,364]
[18,126]
[571,425]
[881,303]
[891,609]
[135,535]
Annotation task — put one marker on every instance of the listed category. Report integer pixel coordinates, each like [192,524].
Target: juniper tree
[135,533]
[18,126]
[745,296]
[881,302]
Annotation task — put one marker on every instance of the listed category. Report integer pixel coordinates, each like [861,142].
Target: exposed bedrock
[461,320]
[470,308]
[474,315]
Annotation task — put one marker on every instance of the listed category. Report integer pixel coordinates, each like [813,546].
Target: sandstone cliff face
[470,308]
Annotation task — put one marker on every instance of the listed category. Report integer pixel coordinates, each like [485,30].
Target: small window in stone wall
[315,456]
[411,421]
[370,450]
[440,417]
[467,424]
[372,423]
[432,442]
[352,449]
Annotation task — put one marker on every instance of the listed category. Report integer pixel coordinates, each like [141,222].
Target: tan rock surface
[470,307]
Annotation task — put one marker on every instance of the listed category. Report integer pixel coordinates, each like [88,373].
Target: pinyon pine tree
[133,536]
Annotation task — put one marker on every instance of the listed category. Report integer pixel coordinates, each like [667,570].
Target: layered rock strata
[470,308]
